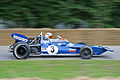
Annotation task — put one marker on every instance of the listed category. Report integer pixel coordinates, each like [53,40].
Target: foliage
[47,13]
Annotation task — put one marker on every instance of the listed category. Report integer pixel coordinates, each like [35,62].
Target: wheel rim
[86,53]
[21,51]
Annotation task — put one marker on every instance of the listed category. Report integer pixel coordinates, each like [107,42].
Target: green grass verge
[59,69]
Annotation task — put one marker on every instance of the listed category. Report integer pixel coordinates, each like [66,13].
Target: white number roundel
[52,49]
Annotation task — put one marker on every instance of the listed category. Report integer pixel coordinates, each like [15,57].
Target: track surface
[4,55]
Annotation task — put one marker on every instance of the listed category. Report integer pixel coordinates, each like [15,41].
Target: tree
[47,13]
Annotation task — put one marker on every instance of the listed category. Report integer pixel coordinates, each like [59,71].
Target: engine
[34,49]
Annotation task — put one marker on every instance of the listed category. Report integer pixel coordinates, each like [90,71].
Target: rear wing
[19,37]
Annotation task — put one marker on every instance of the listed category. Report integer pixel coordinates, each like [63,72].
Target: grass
[57,70]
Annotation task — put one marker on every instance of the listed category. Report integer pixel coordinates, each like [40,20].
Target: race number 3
[52,49]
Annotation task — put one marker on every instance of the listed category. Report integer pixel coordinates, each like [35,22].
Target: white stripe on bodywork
[20,38]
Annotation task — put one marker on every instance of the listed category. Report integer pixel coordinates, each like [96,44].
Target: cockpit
[58,40]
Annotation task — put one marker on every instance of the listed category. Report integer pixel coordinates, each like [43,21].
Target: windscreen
[58,40]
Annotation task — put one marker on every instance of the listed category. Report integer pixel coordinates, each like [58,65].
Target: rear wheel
[21,50]
[86,52]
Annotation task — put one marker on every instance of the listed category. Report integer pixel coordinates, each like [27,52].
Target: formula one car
[24,47]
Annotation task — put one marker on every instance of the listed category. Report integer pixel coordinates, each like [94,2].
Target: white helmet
[48,36]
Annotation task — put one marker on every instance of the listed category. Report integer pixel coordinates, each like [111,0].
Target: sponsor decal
[72,50]
[20,38]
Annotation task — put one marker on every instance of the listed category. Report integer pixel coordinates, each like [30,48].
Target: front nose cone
[98,50]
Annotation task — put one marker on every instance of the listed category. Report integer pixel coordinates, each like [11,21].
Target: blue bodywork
[57,46]
[19,37]
[65,48]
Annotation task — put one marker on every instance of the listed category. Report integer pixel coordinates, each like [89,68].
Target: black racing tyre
[82,43]
[21,50]
[86,52]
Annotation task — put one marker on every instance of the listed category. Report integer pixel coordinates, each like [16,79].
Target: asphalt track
[4,55]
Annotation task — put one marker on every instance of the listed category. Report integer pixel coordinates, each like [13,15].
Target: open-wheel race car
[47,46]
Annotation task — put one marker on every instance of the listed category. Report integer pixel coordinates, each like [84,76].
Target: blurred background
[59,14]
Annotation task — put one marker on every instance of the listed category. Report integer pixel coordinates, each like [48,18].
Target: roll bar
[41,39]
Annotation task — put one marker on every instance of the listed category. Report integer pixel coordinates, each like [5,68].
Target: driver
[48,35]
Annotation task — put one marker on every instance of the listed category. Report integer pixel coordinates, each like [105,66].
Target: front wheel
[86,52]
[21,50]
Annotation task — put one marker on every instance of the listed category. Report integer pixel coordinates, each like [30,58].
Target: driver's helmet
[48,36]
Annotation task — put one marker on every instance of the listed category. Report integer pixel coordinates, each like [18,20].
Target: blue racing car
[47,46]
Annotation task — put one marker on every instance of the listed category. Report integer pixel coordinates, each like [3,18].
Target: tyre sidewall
[21,44]
[86,47]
